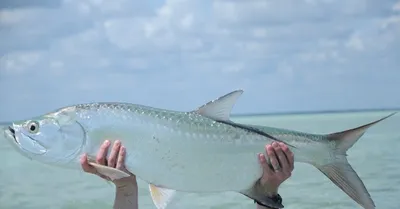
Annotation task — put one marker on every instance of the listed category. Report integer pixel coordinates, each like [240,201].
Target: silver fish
[195,151]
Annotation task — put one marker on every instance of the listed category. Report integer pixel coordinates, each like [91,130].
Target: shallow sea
[27,184]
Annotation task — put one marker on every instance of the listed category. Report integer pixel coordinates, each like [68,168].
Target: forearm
[126,196]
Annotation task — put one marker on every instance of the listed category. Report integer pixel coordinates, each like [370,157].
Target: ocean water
[27,184]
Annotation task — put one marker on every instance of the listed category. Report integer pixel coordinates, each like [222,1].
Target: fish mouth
[28,146]
[11,130]
[11,134]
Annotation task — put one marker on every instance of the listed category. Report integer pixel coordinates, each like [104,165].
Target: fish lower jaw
[11,136]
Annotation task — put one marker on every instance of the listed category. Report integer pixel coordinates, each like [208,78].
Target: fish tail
[341,173]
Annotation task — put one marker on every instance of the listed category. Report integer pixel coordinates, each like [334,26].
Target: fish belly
[187,162]
[194,167]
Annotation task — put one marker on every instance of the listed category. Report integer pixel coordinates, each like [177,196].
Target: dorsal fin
[220,109]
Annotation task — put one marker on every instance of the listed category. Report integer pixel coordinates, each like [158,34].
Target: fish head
[53,138]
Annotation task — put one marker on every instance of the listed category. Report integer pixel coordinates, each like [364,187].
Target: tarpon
[193,151]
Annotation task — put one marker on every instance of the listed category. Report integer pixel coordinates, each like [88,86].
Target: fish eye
[33,127]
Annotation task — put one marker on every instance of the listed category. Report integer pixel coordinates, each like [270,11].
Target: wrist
[131,180]
[127,190]
[126,185]
[272,192]
[276,198]
[269,189]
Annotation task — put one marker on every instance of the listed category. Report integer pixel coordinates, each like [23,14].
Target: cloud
[178,54]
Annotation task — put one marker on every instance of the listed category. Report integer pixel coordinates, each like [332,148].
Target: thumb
[267,171]
[86,166]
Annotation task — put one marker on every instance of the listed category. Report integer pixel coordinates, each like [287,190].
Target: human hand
[282,161]
[116,160]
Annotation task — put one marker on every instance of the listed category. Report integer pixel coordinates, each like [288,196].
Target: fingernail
[275,144]
[260,156]
[117,142]
[106,142]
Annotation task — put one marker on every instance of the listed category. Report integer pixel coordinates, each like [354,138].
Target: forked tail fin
[340,171]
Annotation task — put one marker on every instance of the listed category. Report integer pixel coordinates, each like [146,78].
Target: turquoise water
[27,184]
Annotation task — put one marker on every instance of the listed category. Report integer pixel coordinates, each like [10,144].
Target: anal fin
[161,196]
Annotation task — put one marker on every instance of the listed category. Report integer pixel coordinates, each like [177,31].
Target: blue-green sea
[376,158]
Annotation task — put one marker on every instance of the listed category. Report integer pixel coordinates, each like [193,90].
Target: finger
[268,160]
[266,168]
[273,158]
[121,158]
[289,156]
[112,159]
[281,157]
[101,155]
[86,166]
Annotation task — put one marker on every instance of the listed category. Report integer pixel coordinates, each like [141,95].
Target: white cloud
[396,7]
[19,62]
[355,43]
[287,55]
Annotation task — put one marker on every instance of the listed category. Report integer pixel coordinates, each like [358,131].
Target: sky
[288,55]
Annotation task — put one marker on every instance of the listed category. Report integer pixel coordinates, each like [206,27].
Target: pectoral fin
[258,193]
[108,172]
[161,196]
